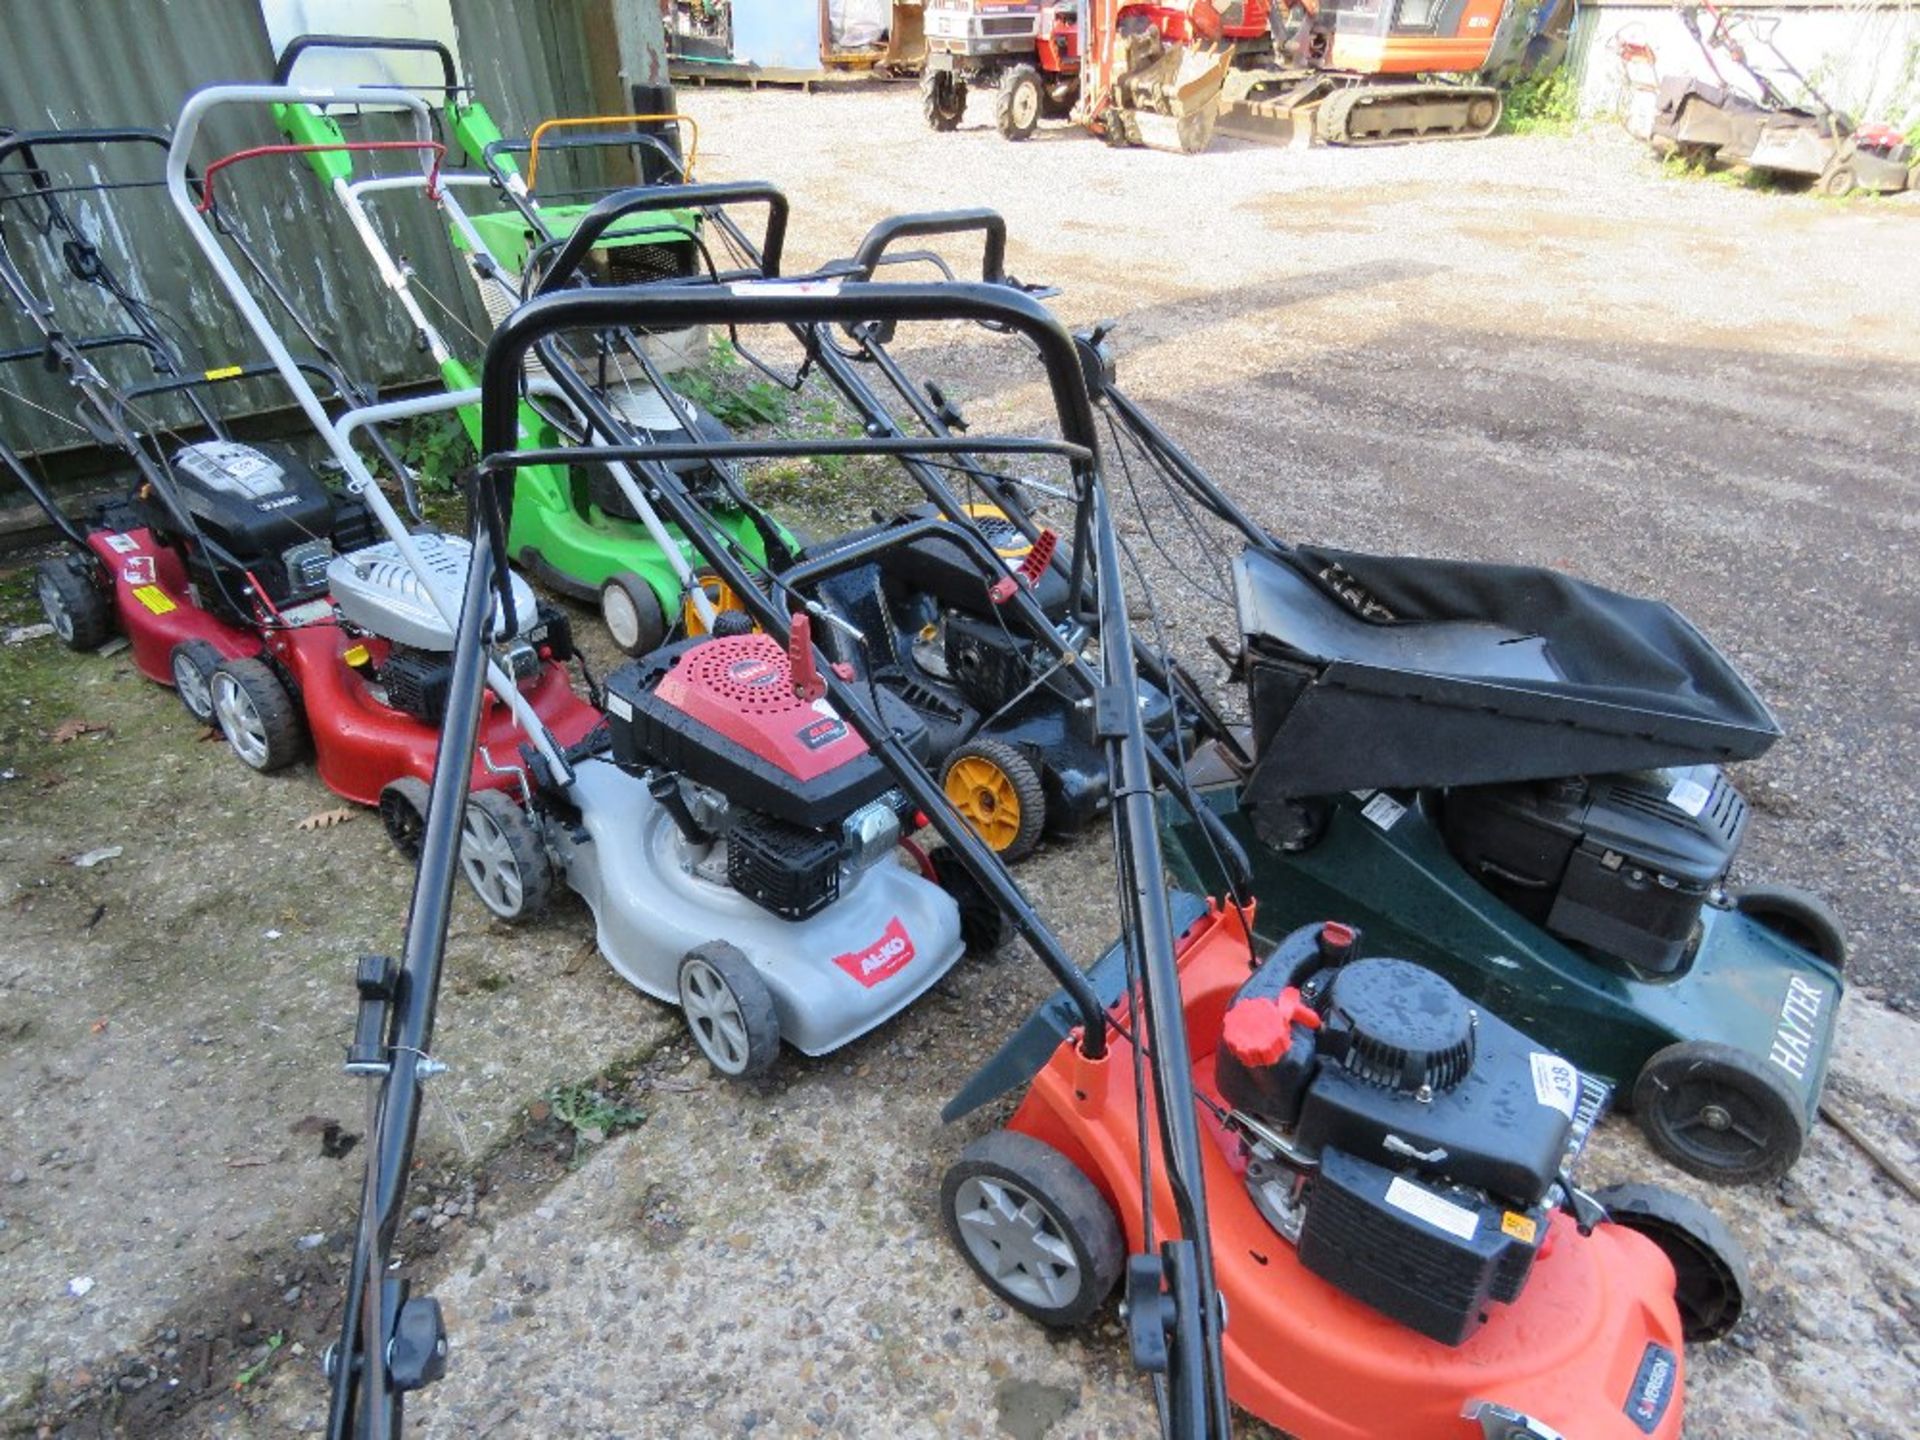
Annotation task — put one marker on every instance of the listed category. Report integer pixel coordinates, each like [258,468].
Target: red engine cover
[741,686]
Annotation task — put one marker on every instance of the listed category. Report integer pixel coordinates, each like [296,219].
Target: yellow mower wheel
[997,791]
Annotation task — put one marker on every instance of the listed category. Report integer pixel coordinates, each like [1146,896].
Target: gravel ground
[1541,350]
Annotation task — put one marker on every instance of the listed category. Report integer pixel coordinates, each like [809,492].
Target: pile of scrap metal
[1712,123]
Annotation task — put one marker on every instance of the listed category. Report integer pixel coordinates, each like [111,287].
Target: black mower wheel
[632,614]
[1033,1227]
[1720,1113]
[504,858]
[982,925]
[193,663]
[943,99]
[1017,111]
[1838,181]
[1799,917]
[257,715]
[80,613]
[1709,1264]
[729,1010]
[403,813]
[998,792]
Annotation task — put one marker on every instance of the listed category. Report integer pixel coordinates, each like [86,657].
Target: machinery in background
[1790,129]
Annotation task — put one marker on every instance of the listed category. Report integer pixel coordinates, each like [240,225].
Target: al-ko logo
[1652,1388]
[886,957]
[755,670]
[818,734]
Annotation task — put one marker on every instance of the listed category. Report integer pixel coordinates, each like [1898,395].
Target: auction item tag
[1555,1082]
[1383,810]
[1689,796]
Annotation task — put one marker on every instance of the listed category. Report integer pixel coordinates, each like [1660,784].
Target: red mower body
[361,744]
[1591,1346]
[153,606]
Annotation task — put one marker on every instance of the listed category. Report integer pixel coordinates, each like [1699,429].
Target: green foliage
[592,1116]
[1542,104]
[254,1371]
[436,449]
[736,395]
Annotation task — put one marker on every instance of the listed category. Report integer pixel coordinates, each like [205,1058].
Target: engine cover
[378,591]
[721,711]
[253,502]
[1620,864]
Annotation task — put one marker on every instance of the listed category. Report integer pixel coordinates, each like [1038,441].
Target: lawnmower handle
[642,198]
[25,141]
[993,263]
[806,303]
[283,67]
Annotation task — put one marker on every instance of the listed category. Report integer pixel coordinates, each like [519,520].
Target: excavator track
[1396,114]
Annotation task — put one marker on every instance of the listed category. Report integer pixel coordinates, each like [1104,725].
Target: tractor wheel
[729,1010]
[403,811]
[1017,111]
[632,614]
[80,614]
[1709,1264]
[998,792]
[1720,1113]
[257,715]
[193,663]
[1033,1227]
[504,859]
[1798,917]
[943,99]
[982,926]
[1838,181]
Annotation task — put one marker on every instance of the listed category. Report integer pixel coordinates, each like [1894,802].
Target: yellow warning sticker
[154,598]
[225,372]
[1519,1227]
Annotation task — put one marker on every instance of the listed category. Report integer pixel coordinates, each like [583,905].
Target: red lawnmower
[363,677]
[1396,1237]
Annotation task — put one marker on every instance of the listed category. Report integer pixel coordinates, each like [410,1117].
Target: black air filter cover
[1400,1026]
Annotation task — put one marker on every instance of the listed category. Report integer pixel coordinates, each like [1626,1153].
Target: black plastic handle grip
[25,142]
[993,263]
[300,44]
[642,198]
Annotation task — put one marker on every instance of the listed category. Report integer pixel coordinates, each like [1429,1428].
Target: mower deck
[153,606]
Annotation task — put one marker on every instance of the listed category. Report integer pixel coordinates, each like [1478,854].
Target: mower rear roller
[997,791]
[403,813]
[257,715]
[943,99]
[729,1010]
[1709,1265]
[193,663]
[1022,101]
[632,614]
[1033,1227]
[983,928]
[81,615]
[504,858]
[1720,1113]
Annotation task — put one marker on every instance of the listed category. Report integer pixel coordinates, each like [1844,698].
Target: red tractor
[1164,61]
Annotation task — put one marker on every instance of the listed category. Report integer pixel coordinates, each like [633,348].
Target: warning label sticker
[155,599]
[1442,1214]
[1383,810]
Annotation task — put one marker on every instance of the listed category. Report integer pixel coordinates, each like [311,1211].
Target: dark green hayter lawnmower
[1514,777]
[583,531]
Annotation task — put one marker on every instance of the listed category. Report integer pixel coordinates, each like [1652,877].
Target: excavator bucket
[1176,99]
[906,38]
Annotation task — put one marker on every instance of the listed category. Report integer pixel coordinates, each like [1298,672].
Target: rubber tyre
[403,814]
[262,723]
[998,792]
[983,927]
[1838,182]
[943,100]
[1020,104]
[1709,1265]
[504,859]
[1060,1251]
[81,615]
[193,663]
[632,614]
[1799,917]
[1690,1093]
[729,1010]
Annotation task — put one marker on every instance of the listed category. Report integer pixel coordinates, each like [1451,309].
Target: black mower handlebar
[300,44]
[643,198]
[993,263]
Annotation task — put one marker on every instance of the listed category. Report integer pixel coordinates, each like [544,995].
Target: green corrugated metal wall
[131,62]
